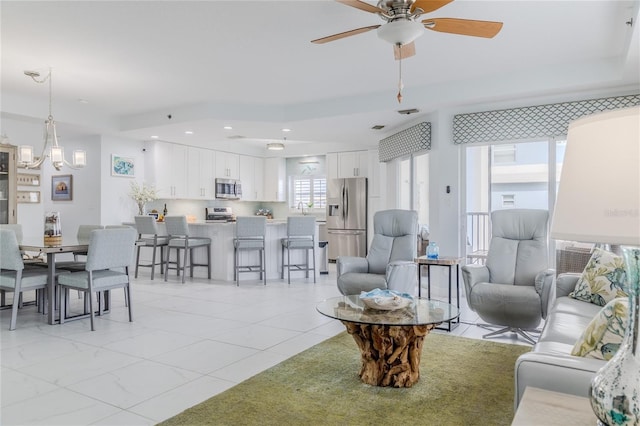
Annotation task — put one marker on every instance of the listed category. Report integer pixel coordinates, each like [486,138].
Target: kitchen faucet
[301,207]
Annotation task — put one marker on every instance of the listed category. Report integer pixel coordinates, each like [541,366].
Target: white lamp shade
[57,154]
[79,158]
[400,32]
[25,154]
[599,194]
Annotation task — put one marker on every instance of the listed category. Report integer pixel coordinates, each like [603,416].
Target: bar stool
[250,236]
[301,235]
[148,237]
[179,239]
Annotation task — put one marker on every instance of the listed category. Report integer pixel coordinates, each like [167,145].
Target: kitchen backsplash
[240,208]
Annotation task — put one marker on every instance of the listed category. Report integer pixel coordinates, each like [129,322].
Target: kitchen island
[222,253]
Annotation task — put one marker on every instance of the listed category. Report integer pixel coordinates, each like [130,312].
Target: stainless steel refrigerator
[347,217]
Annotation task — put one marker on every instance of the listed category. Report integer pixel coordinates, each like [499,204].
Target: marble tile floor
[188,342]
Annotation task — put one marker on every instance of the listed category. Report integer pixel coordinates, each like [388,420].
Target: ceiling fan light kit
[402,28]
[400,32]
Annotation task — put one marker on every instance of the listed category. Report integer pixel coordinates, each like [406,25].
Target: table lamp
[599,202]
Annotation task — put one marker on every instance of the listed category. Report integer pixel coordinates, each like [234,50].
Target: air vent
[378,127]
[235,137]
[408,111]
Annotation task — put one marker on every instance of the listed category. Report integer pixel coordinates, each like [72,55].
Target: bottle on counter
[433,251]
[164,212]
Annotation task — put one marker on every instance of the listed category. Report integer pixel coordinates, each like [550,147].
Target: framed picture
[62,188]
[122,166]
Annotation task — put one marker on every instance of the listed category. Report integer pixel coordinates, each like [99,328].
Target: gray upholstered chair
[179,239]
[79,257]
[148,237]
[512,291]
[14,277]
[301,235]
[250,236]
[390,262]
[108,258]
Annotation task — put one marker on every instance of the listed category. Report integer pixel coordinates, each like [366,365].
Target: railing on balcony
[478,236]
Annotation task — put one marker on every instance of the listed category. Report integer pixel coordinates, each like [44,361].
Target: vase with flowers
[142,194]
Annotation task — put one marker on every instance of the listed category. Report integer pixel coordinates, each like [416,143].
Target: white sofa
[550,364]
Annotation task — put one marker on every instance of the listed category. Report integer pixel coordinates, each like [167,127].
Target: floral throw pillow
[603,279]
[603,336]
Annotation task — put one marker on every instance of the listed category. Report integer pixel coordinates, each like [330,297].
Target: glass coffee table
[390,342]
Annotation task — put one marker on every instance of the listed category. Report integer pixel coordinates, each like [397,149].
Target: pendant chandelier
[55,152]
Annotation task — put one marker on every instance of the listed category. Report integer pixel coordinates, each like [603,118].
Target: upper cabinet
[166,168]
[332,165]
[8,185]
[347,164]
[227,165]
[353,164]
[275,179]
[252,178]
[200,173]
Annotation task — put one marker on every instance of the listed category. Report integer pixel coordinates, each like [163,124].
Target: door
[355,205]
[346,243]
[335,200]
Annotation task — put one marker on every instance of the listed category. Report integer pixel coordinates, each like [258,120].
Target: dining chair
[83,235]
[77,264]
[180,239]
[301,235]
[148,237]
[250,236]
[108,258]
[15,278]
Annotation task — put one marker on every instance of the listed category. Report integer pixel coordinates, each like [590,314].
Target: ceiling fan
[402,27]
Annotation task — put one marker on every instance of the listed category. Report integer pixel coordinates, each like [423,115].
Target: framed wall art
[62,188]
[122,166]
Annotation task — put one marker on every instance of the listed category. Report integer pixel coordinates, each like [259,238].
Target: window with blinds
[310,191]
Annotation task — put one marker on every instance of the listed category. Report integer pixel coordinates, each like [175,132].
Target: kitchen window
[308,191]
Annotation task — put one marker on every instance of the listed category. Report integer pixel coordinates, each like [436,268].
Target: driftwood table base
[390,354]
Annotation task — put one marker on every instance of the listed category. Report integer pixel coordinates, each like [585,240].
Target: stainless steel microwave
[228,189]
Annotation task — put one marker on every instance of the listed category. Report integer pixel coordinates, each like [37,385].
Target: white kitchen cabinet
[353,164]
[331,160]
[252,178]
[275,179]
[200,175]
[227,165]
[166,169]
[376,172]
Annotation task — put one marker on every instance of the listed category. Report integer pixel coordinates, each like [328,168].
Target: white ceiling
[250,64]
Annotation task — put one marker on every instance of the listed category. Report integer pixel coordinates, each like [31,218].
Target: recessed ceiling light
[228,128]
[188,132]
[154,137]
[286,130]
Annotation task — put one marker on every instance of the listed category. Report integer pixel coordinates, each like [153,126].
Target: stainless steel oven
[228,189]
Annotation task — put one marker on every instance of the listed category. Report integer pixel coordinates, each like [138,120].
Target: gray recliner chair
[514,288]
[390,262]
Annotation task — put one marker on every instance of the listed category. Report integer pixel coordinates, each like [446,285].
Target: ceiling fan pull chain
[400,75]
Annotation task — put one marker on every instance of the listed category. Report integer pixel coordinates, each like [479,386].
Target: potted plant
[142,194]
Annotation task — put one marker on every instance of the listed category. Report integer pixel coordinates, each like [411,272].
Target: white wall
[115,204]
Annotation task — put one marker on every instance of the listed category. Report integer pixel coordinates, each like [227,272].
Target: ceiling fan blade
[362,5]
[468,27]
[429,5]
[407,51]
[344,34]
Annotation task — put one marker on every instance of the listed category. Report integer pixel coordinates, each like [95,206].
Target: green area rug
[462,382]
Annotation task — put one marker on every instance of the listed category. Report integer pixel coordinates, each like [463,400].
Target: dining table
[67,245]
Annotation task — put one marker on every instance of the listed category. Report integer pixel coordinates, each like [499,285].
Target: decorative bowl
[386,300]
